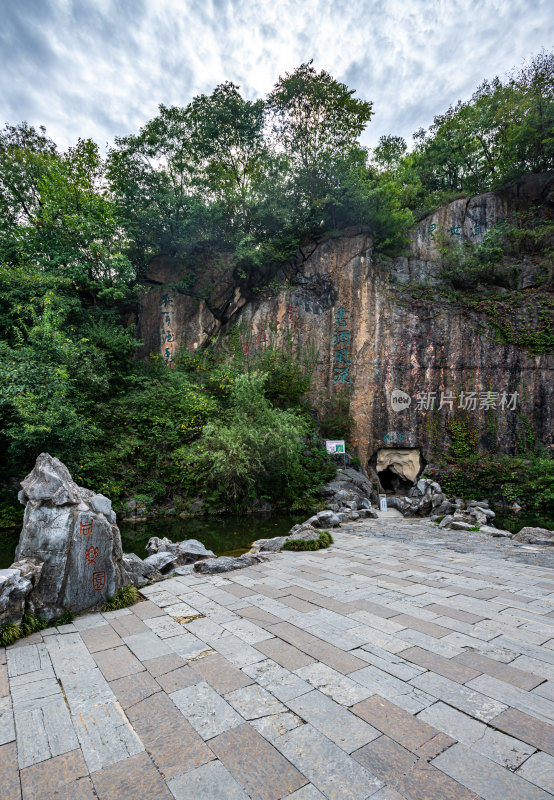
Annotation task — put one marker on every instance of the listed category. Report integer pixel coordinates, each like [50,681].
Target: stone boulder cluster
[469,516]
[424,499]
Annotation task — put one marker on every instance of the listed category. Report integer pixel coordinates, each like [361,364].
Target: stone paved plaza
[389,666]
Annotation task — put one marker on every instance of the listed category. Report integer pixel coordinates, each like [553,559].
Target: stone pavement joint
[402,663]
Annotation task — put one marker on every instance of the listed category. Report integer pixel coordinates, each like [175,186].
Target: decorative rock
[528,533]
[162,561]
[457,525]
[14,588]
[186,552]
[328,519]
[139,571]
[80,547]
[445,521]
[226,563]
[271,545]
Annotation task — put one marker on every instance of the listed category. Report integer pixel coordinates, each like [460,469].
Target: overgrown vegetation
[10,632]
[324,540]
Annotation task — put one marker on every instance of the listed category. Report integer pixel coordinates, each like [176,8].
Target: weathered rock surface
[393,341]
[139,571]
[70,530]
[212,566]
[163,561]
[14,588]
[531,535]
[185,552]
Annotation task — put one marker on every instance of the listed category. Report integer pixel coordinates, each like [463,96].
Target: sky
[100,68]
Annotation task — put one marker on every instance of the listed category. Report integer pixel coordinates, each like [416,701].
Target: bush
[126,596]
[325,540]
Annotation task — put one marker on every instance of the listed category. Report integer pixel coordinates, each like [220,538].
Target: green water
[515,522]
[230,535]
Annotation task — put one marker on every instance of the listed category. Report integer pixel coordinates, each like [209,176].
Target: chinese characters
[467,401]
[341,342]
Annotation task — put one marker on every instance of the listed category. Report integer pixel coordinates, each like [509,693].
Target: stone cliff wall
[411,370]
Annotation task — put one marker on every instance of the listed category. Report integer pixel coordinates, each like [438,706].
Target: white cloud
[100,67]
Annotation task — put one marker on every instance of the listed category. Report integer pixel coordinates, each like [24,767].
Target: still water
[229,535]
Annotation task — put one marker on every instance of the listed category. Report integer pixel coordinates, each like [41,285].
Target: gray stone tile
[22,660]
[106,736]
[334,773]
[254,701]
[276,725]
[147,645]
[43,731]
[308,792]
[528,702]
[237,651]
[539,769]
[466,699]
[208,713]
[7,726]
[247,631]
[505,750]
[82,694]
[489,780]
[333,720]
[211,780]
[399,692]
[280,682]
[339,687]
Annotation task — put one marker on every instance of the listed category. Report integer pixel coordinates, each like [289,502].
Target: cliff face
[413,371]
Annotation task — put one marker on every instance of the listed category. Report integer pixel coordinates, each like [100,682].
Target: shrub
[126,596]
[10,632]
[325,540]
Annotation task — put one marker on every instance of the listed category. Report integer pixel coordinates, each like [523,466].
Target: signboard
[383,502]
[335,446]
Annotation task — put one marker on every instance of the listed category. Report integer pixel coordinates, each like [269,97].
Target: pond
[229,535]
[515,522]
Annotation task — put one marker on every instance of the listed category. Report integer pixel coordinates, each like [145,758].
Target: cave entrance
[398,468]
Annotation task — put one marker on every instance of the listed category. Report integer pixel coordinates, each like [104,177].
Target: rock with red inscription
[71,531]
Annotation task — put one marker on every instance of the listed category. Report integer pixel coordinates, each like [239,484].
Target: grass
[325,539]
[10,632]
[126,596]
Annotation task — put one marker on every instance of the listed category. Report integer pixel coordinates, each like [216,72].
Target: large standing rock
[72,531]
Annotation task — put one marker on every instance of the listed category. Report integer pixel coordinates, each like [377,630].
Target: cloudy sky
[100,68]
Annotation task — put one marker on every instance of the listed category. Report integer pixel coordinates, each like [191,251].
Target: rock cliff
[411,370]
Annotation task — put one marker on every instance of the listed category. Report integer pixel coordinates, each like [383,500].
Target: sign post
[383,502]
[336,446]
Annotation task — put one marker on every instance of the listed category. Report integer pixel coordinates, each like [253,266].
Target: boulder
[445,521]
[528,533]
[495,532]
[458,525]
[140,572]
[444,508]
[226,563]
[328,519]
[270,545]
[162,561]
[186,552]
[78,545]
[14,589]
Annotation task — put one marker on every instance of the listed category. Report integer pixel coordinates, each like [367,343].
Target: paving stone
[134,688]
[11,786]
[455,613]
[30,658]
[539,769]
[147,610]
[388,662]
[430,628]
[247,631]
[339,687]
[403,694]
[82,694]
[443,666]
[117,662]
[385,759]
[503,672]
[527,728]
[220,673]
[209,781]
[254,701]
[514,697]
[172,743]
[164,627]
[187,646]
[546,689]
[505,750]
[178,679]
[538,668]
[284,654]
[52,776]
[332,771]
[128,625]
[163,664]
[333,720]
[256,764]
[43,729]
[134,779]
[4,686]
[258,615]
[208,713]
[317,648]
[105,736]
[409,731]
[100,637]
[489,780]
[147,645]
[237,651]
[466,699]
[308,792]
[7,726]
[239,591]
[280,682]
[275,725]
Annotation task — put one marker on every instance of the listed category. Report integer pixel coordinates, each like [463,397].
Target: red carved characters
[91,554]
[86,527]
[98,581]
